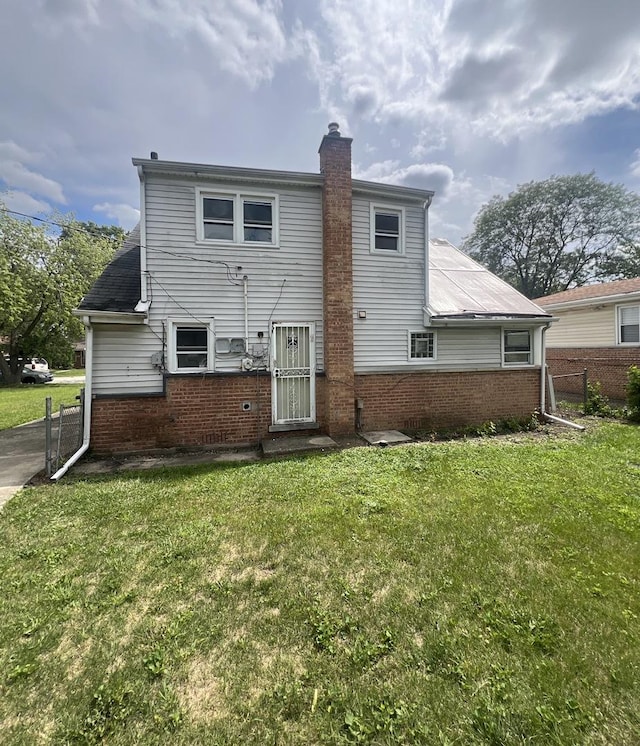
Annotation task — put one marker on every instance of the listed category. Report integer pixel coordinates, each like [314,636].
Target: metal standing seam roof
[460,287]
[118,287]
[602,290]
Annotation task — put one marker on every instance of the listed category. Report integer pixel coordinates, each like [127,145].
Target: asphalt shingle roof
[604,289]
[118,287]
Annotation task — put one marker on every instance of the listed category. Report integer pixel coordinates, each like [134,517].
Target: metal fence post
[47,436]
[585,390]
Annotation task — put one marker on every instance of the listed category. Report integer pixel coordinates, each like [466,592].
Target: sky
[466,97]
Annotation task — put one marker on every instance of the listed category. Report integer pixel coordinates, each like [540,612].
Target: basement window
[422,345]
[628,325]
[190,346]
[387,230]
[237,218]
[516,347]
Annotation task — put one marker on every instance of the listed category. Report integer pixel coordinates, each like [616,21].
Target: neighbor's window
[629,324]
[386,230]
[422,345]
[238,218]
[191,346]
[517,347]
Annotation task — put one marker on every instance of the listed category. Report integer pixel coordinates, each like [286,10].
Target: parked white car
[37,363]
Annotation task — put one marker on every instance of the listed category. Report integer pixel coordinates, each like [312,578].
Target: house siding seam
[201,412]
[337,273]
[608,365]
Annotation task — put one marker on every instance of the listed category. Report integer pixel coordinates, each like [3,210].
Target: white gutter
[87,405]
[543,388]
[143,238]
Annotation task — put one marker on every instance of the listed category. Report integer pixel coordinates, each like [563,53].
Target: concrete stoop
[294,444]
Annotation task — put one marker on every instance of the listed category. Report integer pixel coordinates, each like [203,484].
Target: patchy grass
[26,402]
[69,372]
[479,592]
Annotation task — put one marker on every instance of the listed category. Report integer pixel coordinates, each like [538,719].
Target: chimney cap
[154,155]
[334,129]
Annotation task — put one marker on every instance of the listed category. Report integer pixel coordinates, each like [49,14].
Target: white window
[628,325]
[516,347]
[191,345]
[387,230]
[422,345]
[236,218]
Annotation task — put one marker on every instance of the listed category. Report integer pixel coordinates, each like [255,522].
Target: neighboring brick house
[250,302]
[598,329]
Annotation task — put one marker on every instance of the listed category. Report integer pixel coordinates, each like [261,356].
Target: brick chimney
[335,165]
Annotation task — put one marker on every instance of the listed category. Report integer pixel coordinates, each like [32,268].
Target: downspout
[245,283]
[427,204]
[543,387]
[143,238]
[87,405]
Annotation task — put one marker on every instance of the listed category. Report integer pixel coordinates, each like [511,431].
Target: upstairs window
[517,347]
[422,345]
[217,214]
[236,218]
[387,230]
[628,325]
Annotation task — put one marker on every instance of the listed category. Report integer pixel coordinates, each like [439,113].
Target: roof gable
[595,292]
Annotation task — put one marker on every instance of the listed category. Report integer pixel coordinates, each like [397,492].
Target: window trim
[619,309]
[377,207]
[173,324]
[410,333]
[531,362]
[239,197]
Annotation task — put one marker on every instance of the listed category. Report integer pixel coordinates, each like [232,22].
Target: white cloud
[125,215]
[24,203]
[635,164]
[15,174]
[435,176]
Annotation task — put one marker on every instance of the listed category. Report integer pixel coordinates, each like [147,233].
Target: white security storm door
[293,367]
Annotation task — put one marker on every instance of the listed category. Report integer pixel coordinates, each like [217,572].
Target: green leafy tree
[42,279]
[549,236]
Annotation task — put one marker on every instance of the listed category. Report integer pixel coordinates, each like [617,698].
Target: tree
[551,235]
[42,279]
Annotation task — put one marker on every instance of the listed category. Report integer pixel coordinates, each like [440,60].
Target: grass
[480,592]
[24,403]
[70,372]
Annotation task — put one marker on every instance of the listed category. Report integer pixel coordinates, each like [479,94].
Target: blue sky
[441,94]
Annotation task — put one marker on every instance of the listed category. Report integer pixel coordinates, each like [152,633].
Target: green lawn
[479,592]
[24,403]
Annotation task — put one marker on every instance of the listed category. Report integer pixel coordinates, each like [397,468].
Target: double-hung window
[516,347]
[190,346]
[237,218]
[628,325]
[422,345]
[387,230]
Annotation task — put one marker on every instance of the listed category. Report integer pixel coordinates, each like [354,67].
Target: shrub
[633,393]
[597,403]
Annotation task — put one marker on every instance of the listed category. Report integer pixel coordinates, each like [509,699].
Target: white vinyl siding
[583,327]
[122,360]
[205,279]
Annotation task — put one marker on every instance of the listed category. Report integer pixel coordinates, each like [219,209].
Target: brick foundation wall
[207,411]
[196,411]
[608,365]
[435,399]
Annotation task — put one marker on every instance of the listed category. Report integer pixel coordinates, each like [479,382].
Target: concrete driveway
[21,456]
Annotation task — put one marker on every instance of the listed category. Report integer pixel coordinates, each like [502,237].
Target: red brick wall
[435,399]
[197,411]
[201,411]
[608,365]
[335,165]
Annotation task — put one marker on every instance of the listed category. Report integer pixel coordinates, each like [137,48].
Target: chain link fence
[63,432]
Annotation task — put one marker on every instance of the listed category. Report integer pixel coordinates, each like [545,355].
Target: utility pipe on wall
[427,204]
[87,405]
[543,388]
[245,282]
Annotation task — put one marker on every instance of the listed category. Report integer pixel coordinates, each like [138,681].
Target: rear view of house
[254,302]
[598,329]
